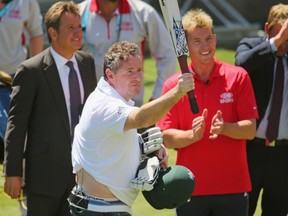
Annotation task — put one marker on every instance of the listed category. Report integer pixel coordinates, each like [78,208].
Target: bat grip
[191,96]
[193,103]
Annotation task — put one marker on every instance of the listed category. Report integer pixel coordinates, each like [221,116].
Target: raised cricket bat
[173,20]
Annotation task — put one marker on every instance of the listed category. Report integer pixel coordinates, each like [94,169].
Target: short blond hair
[196,18]
[278,15]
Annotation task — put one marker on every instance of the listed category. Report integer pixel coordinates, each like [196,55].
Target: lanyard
[5,9]
[84,21]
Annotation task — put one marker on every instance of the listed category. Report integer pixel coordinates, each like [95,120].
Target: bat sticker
[181,44]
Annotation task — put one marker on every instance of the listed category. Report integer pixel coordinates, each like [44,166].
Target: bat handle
[193,103]
[192,99]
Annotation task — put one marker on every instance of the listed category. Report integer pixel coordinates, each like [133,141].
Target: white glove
[147,174]
[150,140]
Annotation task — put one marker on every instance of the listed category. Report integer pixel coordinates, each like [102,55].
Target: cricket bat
[173,21]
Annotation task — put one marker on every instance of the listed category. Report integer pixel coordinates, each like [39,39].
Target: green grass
[10,207]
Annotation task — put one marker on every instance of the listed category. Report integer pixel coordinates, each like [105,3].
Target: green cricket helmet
[173,188]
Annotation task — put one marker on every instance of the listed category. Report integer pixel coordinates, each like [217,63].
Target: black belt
[283,142]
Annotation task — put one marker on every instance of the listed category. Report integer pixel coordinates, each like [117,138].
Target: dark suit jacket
[38,109]
[256,56]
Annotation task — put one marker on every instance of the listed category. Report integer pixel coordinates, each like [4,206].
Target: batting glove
[150,140]
[147,174]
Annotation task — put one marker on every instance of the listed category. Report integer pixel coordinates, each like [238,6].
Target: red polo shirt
[220,166]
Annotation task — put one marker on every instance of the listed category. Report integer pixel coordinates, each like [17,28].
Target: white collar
[106,88]
[60,60]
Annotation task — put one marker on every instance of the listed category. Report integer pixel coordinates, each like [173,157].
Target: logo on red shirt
[226,97]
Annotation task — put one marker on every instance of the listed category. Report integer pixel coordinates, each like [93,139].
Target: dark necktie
[75,98]
[274,115]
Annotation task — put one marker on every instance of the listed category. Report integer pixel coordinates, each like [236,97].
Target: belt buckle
[271,144]
[78,200]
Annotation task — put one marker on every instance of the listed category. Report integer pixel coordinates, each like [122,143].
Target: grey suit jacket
[38,116]
[256,56]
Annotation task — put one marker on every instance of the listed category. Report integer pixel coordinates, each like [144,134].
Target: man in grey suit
[268,158]
[41,115]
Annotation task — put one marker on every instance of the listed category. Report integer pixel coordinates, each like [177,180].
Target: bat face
[181,43]
[173,21]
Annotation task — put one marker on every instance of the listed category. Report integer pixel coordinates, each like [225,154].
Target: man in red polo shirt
[212,143]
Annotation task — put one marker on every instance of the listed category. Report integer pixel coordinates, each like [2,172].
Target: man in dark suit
[268,155]
[40,124]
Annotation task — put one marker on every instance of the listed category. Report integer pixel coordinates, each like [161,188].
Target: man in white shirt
[105,153]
